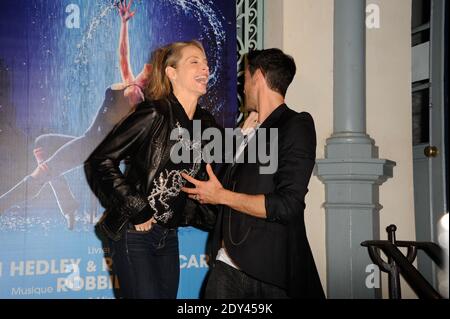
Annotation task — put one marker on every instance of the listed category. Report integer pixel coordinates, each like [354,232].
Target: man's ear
[258,77]
[170,72]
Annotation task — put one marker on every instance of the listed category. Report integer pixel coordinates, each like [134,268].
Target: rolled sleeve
[296,161]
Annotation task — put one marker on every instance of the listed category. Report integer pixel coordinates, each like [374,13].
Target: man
[259,245]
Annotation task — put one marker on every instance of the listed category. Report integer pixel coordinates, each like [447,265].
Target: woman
[144,204]
[56,154]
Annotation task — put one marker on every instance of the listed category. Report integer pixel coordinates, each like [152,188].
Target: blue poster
[57,58]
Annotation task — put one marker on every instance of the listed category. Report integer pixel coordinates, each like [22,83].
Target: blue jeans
[147,263]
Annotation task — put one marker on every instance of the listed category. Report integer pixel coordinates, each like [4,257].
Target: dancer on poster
[56,154]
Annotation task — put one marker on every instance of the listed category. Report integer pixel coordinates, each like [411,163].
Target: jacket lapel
[273,118]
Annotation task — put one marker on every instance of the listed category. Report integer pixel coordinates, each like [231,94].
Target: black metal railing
[398,263]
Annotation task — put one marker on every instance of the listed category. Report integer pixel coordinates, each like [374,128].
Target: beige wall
[389,115]
[304,29]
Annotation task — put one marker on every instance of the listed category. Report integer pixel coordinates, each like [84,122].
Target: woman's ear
[170,72]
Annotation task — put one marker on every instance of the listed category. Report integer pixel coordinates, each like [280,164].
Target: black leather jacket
[142,139]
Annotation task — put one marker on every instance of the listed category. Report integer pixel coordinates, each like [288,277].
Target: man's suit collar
[269,122]
[274,116]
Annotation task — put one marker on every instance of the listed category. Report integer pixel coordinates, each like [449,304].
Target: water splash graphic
[212,28]
[105,10]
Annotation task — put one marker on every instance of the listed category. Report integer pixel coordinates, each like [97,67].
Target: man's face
[250,92]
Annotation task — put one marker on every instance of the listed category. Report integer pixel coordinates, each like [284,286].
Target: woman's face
[191,74]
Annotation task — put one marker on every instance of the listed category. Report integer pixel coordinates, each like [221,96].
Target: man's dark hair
[278,68]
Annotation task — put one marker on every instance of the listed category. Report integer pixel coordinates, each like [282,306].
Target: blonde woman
[144,204]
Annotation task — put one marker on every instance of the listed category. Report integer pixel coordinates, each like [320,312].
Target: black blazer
[274,250]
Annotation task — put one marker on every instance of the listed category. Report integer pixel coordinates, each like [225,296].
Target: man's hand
[209,192]
[146,226]
[124,10]
[212,192]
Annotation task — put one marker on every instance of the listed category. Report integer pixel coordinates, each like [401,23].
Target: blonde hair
[159,86]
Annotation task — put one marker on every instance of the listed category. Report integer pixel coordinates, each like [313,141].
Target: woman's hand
[146,226]
[124,10]
[250,122]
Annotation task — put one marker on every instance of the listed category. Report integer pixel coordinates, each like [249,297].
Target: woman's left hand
[146,226]
[250,123]
[209,192]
